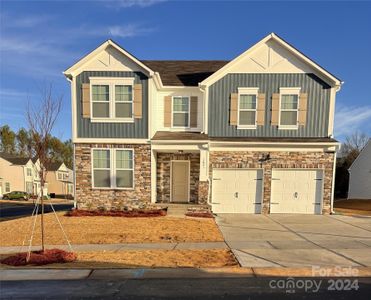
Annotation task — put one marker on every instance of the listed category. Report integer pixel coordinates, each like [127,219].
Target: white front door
[237,190]
[296,191]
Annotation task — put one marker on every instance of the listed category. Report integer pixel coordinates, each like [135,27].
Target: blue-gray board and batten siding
[87,129]
[317,109]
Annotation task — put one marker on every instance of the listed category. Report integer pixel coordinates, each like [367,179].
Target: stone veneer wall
[315,160]
[89,198]
[163,175]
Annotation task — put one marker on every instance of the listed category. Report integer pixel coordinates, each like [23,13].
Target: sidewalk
[120,247]
[164,273]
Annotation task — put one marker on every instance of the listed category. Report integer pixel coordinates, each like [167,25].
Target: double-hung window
[123,101]
[247,107]
[100,99]
[112,99]
[180,112]
[113,168]
[29,172]
[289,104]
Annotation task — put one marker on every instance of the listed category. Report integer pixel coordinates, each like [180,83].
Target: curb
[166,273]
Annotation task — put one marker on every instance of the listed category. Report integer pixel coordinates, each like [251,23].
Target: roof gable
[108,56]
[272,55]
[366,151]
[15,160]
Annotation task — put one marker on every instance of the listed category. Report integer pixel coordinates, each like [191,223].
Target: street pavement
[297,240]
[189,288]
[9,211]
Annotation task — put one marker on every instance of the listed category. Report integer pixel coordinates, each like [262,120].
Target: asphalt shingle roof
[184,72]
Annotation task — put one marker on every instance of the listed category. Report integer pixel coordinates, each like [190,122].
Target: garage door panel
[296,191]
[236,190]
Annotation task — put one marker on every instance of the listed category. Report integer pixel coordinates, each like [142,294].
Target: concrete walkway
[297,240]
[120,247]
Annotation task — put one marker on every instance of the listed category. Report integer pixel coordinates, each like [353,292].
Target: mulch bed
[40,258]
[135,213]
[199,214]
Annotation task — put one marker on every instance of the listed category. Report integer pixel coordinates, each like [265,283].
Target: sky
[41,39]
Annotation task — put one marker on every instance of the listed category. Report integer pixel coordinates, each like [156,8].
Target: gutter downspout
[74,179]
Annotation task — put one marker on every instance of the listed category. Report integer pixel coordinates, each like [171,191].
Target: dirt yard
[353,206]
[211,258]
[111,230]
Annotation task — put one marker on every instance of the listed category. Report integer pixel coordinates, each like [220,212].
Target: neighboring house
[16,174]
[360,175]
[59,179]
[250,135]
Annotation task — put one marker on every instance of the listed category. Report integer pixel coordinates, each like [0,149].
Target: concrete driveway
[297,240]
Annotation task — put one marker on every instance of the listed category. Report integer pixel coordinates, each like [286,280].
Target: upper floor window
[247,107]
[100,98]
[112,99]
[289,108]
[7,187]
[60,176]
[180,112]
[123,101]
[113,168]
[29,172]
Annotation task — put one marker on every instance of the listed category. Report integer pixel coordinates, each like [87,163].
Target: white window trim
[189,112]
[247,91]
[111,82]
[29,169]
[289,91]
[112,169]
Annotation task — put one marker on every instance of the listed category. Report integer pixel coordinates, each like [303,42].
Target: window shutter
[85,100]
[167,111]
[303,103]
[193,116]
[233,109]
[260,120]
[137,101]
[275,109]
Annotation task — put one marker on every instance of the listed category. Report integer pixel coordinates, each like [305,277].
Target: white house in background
[360,175]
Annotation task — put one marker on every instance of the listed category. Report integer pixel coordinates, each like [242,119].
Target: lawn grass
[110,230]
[210,258]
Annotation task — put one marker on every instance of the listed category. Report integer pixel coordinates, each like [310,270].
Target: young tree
[41,120]
[7,139]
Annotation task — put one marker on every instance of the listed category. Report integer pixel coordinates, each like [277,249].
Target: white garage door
[237,190]
[296,191]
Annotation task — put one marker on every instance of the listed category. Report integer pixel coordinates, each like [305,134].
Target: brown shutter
[303,102]
[260,120]
[193,117]
[275,109]
[85,100]
[233,109]
[137,101]
[167,111]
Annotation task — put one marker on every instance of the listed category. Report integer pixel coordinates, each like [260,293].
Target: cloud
[133,3]
[129,30]
[25,21]
[349,119]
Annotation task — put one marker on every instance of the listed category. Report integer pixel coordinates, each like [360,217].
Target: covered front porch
[179,170]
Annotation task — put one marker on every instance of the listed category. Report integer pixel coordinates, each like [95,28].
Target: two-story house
[250,135]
